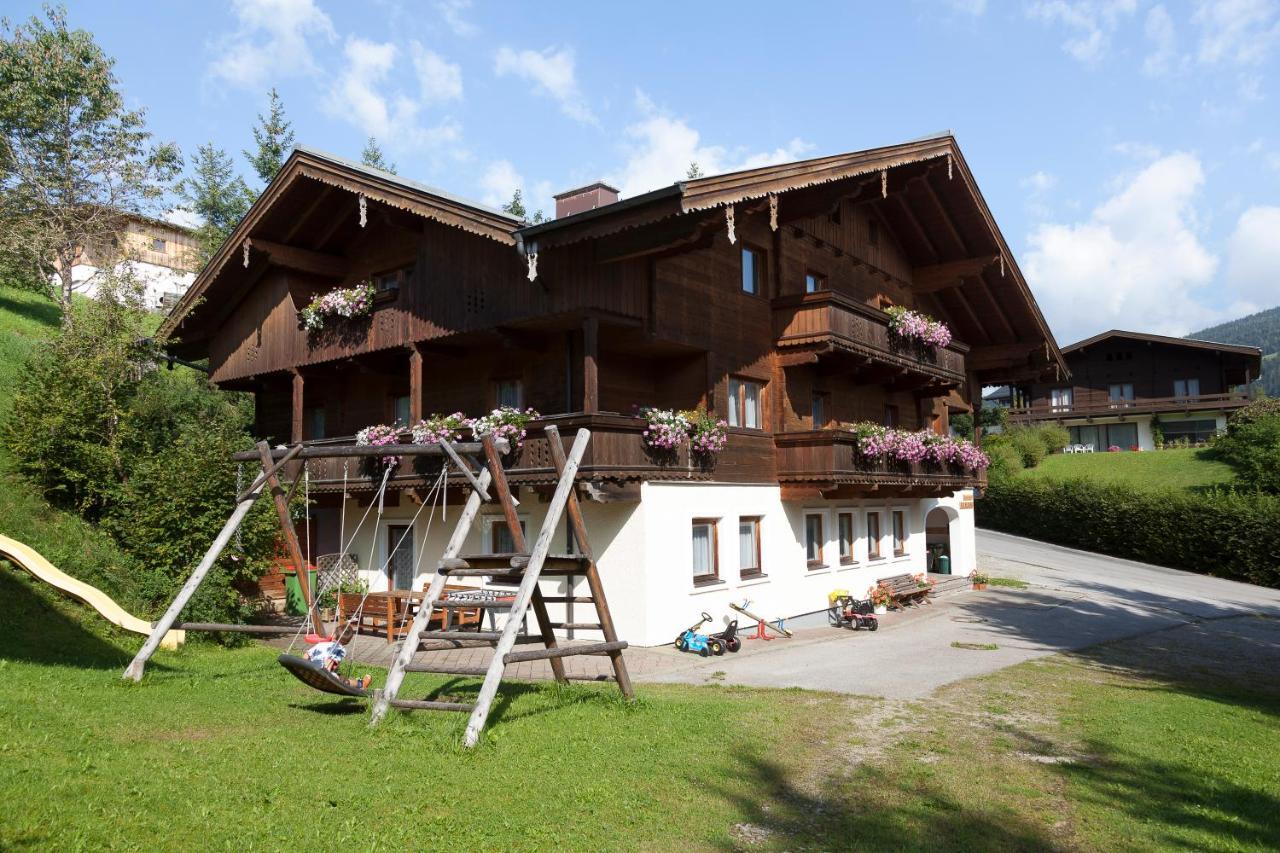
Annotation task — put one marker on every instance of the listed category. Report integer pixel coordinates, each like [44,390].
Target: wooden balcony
[829,458]
[829,322]
[616,455]
[1143,406]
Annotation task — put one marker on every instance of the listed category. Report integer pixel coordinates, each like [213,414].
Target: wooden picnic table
[393,610]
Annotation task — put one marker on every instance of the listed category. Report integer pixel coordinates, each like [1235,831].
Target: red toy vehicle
[845,611]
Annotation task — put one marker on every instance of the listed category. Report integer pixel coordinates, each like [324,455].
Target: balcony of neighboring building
[1122,404]
[829,325]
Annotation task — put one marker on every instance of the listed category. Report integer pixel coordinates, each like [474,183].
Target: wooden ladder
[526,566]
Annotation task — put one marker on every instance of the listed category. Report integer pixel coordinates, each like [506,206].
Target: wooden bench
[392,612]
[905,590]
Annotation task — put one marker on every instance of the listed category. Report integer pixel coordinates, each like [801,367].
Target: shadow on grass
[35,631]
[42,311]
[332,708]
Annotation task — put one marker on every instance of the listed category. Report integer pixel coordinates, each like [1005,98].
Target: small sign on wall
[966,502]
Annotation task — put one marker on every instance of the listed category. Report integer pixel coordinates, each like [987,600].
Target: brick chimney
[585,198]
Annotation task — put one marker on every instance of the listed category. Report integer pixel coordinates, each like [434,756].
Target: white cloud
[361,96]
[661,147]
[273,39]
[1039,182]
[1253,257]
[552,73]
[451,11]
[1091,22]
[1242,32]
[440,79]
[1160,31]
[183,218]
[499,183]
[1137,261]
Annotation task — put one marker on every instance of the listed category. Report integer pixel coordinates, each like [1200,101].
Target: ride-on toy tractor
[692,641]
[729,637]
[845,611]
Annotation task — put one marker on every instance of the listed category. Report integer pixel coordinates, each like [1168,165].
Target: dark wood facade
[1121,372]
[637,303]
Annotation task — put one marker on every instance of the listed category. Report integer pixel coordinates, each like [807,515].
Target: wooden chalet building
[1123,383]
[759,295]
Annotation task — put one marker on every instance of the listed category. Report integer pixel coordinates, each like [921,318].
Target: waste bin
[294,602]
[944,565]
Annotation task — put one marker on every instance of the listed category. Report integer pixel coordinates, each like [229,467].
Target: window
[752,270]
[400,550]
[873,535]
[400,409]
[813,540]
[706,566]
[899,533]
[1120,395]
[1060,399]
[1186,387]
[891,415]
[387,282]
[744,403]
[749,546]
[844,521]
[1193,432]
[313,423]
[508,392]
[158,244]
[498,535]
[814,282]
[818,408]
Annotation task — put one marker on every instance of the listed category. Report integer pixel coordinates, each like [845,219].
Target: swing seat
[317,677]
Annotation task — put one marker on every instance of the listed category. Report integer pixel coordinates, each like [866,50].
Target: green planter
[294,602]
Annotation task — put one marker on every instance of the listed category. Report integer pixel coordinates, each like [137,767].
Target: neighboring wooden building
[1123,383]
[163,256]
[759,295]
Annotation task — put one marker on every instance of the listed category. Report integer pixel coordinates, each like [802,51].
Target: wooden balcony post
[415,384]
[295,431]
[590,366]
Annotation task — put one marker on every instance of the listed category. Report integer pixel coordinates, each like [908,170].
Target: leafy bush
[1261,409]
[997,416]
[1053,437]
[1005,460]
[1028,443]
[962,423]
[1223,533]
[1252,446]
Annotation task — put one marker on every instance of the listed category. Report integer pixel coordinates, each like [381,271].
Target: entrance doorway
[937,539]
[400,547]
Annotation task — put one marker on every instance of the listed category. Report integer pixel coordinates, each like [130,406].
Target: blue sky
[1130,150]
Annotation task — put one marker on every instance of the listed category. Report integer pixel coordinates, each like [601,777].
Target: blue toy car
[692,641]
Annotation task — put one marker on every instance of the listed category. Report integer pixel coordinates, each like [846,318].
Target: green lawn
[1187,468]
[220,748]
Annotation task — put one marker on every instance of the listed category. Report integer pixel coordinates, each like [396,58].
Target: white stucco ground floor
[682,549]
[1136,431]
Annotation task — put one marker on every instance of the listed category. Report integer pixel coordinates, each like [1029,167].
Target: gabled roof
[1163,339]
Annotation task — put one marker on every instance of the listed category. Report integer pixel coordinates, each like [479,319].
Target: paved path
[1077,599]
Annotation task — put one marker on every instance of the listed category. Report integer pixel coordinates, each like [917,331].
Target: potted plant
[504,422]
[881,597]
[327,601]
[342,302]
[980,579]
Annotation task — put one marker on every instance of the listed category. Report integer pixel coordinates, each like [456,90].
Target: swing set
[487,482]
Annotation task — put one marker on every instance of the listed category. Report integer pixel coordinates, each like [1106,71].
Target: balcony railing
[617,452]
[1145,405]
[831,456]
[827,318]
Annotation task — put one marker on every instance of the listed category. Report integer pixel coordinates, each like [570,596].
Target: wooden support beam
[1001,355]
[290,534]
[969,311]
[795,359]
[415,385]
[947,220]
[935,277]
[996,308]
[899,203]
[301,220]
[303,260]
[295,430]
[590,364]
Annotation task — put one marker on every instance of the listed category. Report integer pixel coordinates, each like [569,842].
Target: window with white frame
[1060,399]
[899,533]
[705,562]
[845,529]
[873,536]
[744,402]
[815,539]
[497,535]
[1183,388]
[749,546]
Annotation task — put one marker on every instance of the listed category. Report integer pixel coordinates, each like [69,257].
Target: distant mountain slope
[1256,330]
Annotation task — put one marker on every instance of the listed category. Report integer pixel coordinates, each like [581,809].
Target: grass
[976,647]
[220,748]
[1182,468]
[1011,583]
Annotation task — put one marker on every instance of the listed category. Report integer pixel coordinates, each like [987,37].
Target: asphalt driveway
[1076,599]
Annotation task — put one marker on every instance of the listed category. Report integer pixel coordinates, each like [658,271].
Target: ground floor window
[844,521]
[1194,432]
[498,538]
[749,546]
[399,544]
[873,535]
[706,567]
[814,539]
[899,533]
[1104,436]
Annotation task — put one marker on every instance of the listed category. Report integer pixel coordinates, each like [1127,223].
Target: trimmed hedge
[1222,533]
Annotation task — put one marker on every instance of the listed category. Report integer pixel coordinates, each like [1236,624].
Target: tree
[274,138]
[216,194]
[516,208]
[73,160]
[695,171]
[372,156]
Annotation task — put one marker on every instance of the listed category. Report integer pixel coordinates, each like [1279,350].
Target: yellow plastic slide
[27,558]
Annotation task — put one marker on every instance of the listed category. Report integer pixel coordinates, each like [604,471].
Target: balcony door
[399,545]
